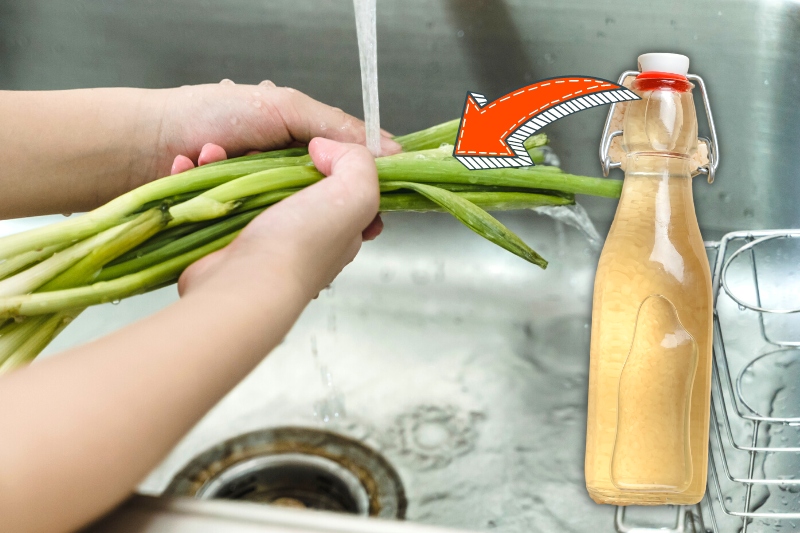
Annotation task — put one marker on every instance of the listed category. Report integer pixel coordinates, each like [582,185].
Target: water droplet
[115,302]
[766,82]
[266,83]
[66,214]
[728,499]
[332,407]
[226,81]
[257,103]
[460,33]
[234,121]
[323,126]
[327,377]
[742,308]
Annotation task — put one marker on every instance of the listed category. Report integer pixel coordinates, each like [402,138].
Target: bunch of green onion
[143,240]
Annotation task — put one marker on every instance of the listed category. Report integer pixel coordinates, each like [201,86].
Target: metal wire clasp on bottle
[713,146]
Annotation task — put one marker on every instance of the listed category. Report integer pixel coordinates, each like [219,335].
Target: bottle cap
[661,62]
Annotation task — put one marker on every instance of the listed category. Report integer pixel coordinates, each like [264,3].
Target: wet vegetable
[144,239]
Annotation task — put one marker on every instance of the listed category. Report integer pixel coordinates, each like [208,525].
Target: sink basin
[462,365]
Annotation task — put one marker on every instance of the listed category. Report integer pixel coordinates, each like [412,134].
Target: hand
[306,239]
[211,153]
[245,118]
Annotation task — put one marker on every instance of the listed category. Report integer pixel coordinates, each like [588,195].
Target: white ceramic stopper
[674,63]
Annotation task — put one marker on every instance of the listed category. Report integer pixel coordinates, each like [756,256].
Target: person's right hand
[306,239]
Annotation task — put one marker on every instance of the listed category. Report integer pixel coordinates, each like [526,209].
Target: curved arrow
[492,136]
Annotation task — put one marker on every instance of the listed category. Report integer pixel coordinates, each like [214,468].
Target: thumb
[352,176]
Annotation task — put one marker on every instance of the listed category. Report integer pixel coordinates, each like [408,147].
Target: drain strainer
[293,480]
[295,467]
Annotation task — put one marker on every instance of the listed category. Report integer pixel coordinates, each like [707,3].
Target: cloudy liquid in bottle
[650,370]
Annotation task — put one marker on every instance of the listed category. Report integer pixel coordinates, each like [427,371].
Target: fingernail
[180,164]
[211,153]
[389,146]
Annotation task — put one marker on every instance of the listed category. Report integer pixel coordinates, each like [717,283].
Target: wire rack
[754,455]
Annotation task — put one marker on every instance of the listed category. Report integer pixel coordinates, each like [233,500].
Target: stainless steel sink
[460,364]
[464,366]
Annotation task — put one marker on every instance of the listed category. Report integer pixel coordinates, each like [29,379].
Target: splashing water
[368,56]
[577,217]
[331,407]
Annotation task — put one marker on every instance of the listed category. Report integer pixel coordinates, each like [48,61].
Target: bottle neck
[662,121]
[657,165]
[656,188]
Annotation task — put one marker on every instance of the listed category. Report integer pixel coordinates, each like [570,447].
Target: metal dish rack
[753,483]
[742,423]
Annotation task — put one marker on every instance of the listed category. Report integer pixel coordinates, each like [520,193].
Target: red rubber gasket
[662,81]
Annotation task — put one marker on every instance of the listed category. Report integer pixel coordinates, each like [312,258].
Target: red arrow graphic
[491,136]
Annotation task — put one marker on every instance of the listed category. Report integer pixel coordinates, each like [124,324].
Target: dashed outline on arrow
[549,99]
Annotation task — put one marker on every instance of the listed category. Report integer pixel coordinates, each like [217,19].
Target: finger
[337,208]
[327,156]
[306,118]
[373,230]
[354,167]
[319,229]
[211,153]
[181,164]
[254,152]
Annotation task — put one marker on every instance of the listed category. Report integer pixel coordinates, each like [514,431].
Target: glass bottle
[650,369]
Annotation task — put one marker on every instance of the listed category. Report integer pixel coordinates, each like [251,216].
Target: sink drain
[292,480]
[295,467]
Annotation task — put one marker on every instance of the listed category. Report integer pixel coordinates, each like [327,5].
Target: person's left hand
[207,123]
[240,119]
